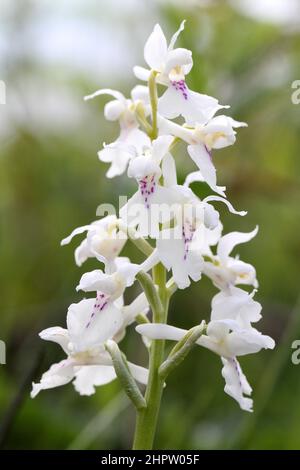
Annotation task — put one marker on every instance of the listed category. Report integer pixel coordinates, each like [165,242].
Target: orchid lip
[100,304]
[181,87]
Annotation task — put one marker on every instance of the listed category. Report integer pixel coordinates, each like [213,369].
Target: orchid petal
[160,331]
[139,373]
[57,335]
[59,374]
[89,377]
[227,203]
[89,330]
[229,241]
[141,73]
[200,155]
[169,170]
[76,231]
[155,50]
[161,146]
[236,384]
[107,91]
[175,35]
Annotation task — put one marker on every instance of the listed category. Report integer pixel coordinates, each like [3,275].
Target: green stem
[153,102]
[147,418]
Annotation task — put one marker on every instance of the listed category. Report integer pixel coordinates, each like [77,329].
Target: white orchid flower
[226,271]
[103,241]
[201,139]
[145,208]
[87,360]
[131,140]
[179,247]
[110,287]
[196,228]
[171,66]
[229,334]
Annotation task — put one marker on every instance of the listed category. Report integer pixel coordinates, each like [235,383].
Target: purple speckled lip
[187,234]
[180,86]
[147,187]
[99,305]
[235,365]
[209,152]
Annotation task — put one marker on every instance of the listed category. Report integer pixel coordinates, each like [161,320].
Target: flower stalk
[147,418]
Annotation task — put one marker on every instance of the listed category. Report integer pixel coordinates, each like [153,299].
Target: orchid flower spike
[186,241]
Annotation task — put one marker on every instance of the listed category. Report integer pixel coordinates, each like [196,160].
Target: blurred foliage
[51,182]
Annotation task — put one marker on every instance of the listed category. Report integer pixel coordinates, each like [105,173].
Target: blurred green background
[51,54]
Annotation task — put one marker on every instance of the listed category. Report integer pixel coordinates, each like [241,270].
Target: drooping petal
[229,241]
[82,253]
[76,231]
[59,374]
[156,49]
[236,384]
[89,377]
[201,156]
[226,202]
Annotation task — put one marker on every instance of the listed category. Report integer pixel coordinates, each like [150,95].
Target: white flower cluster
[185,232]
